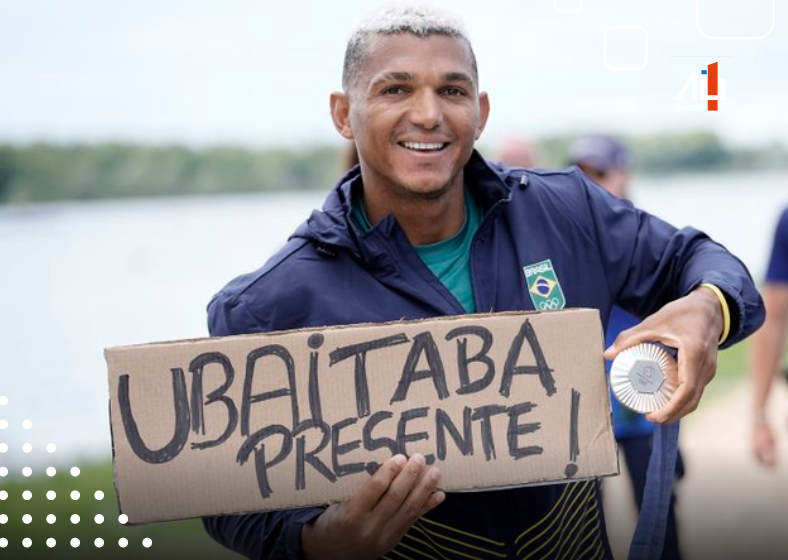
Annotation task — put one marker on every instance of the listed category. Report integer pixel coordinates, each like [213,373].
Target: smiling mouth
[424,146]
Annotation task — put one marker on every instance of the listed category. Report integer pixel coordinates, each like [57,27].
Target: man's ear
[484,112]
[340,114]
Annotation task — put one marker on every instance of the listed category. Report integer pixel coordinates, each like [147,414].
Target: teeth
[423,145]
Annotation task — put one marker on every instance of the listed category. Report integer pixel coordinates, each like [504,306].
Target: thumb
[627,339]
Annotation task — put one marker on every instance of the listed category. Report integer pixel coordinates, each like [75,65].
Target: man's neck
[424,220]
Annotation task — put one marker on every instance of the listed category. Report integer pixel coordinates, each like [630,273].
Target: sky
[259,73]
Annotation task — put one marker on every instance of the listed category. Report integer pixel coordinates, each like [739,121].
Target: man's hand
[376,516]
[692,325]
[763,444]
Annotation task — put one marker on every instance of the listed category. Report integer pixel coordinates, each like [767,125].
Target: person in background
[607,161]
[768,345]
[518,152]
[424,227]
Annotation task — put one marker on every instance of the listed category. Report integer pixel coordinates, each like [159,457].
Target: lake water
[79,277]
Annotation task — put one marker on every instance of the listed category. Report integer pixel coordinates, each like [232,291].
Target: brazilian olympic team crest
[544,287]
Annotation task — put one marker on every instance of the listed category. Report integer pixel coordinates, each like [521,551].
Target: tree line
[44,172]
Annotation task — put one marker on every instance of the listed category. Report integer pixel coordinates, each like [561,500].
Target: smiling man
[412,105]
[424,227]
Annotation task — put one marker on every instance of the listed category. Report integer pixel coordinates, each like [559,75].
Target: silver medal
[643,377]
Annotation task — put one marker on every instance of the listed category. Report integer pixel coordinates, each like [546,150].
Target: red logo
[714,89]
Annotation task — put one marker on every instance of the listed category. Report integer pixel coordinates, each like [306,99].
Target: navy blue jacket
[603,251]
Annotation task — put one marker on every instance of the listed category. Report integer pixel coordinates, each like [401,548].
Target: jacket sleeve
[274,535]
[651,263]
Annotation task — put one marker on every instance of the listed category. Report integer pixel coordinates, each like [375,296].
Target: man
[607,161]
[767,347]
[516,151]
[426,227]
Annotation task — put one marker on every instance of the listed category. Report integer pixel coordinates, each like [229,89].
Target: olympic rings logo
[550,304]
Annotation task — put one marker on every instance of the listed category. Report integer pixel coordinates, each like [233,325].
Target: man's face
[414,112]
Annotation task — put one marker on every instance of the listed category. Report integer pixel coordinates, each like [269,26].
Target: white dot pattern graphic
[27,424]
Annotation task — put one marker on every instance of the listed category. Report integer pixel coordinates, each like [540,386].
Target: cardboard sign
[298,418]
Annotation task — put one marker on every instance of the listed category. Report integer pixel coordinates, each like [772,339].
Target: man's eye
[454,91]
[394,90]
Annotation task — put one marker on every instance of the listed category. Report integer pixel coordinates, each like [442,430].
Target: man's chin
[428,189]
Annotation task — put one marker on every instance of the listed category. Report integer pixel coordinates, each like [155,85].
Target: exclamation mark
[712,86]
[574,447]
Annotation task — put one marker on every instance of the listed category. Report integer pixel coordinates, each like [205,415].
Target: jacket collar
[332,226]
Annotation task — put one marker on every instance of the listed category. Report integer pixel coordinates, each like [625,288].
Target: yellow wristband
[726,313]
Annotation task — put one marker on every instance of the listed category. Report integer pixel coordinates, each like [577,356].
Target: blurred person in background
[768,344]
[518,152]
[607,161]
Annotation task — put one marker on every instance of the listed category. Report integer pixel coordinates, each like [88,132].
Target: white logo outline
[697,24]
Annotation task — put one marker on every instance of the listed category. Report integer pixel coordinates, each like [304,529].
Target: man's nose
[426,111]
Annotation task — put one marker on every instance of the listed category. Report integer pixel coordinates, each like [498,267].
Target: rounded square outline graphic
[555,2]
[645,33]
[697,24]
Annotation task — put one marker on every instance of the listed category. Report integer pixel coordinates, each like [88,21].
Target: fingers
[374,519]
[627,339]
[435,499]
[697,365]
[687,324]
[764,446]
[409,494]
[369,494]
[647,331]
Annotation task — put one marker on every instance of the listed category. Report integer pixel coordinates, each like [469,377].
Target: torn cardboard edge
[299,418]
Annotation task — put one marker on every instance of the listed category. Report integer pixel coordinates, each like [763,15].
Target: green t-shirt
[450,259]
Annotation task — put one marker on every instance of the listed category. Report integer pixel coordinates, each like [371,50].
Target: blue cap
[601,153]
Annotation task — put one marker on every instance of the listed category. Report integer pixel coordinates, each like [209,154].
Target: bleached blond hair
[421,20]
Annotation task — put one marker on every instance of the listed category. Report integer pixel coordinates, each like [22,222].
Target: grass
[179,539]
[731,372]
